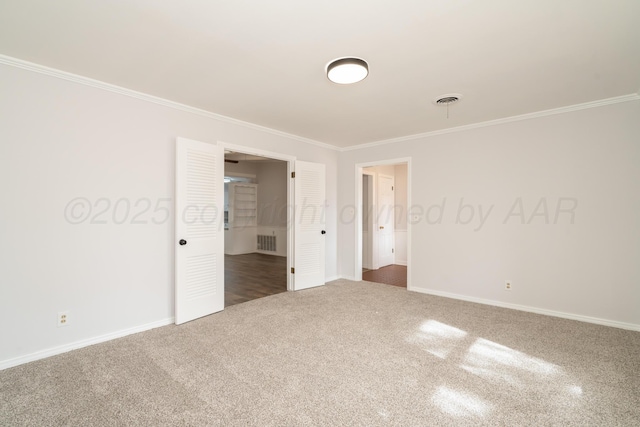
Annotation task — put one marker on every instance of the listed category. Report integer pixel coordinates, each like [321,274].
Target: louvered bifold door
[199,239]
[309,220]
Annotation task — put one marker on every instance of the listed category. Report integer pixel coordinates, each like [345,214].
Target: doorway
[199,224]
[255,227]
[383,231]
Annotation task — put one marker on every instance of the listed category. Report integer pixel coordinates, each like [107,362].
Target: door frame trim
[358,216]
[373,251]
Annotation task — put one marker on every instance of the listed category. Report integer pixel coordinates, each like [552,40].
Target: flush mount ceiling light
[345,71]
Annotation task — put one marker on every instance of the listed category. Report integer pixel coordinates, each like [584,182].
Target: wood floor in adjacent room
[251,276]
[395,275]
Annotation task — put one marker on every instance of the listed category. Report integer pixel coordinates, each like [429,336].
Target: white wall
[60,142]
[272,194]
[587,268]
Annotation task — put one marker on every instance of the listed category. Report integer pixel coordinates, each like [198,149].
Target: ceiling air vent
[447,99]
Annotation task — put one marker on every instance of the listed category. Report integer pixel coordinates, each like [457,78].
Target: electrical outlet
[507,285]
[63,318]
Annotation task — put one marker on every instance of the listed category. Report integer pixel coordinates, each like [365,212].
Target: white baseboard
[579,317]
[9,363]
[396,262]
[42,354]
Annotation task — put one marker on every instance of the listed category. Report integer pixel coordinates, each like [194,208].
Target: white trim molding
[42,354]
[570,316]
[544,113]
[64,75]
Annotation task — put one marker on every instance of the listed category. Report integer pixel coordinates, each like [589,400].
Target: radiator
[266,243]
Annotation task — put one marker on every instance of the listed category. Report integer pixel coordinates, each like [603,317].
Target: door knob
[182,242]
[323,232]
[382,227]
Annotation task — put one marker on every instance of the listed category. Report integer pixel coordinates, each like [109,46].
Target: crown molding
[64,75]
[544,113]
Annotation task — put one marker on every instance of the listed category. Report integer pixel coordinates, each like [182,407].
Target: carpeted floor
[345,354]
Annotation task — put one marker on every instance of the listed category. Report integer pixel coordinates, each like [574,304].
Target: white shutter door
[309,220]
[199,233]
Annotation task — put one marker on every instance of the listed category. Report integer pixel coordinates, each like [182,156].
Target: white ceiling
[264,61]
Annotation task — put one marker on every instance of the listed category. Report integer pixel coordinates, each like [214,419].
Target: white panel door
[386,220]
[199,241]
[309,228]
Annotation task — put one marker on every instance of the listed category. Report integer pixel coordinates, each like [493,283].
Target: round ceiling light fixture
[346,71]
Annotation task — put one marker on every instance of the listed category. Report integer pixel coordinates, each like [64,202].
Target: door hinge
[293,174]
[392,188]
[393,251]
[293,270]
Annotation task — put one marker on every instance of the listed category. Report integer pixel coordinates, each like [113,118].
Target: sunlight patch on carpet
[491,360]
[575,390]
[460,404]
[438,338]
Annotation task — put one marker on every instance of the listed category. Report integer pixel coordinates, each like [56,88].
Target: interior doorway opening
[255,226]
[383,231]
[199,226]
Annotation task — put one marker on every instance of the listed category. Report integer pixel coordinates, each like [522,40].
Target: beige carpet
[344,354]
